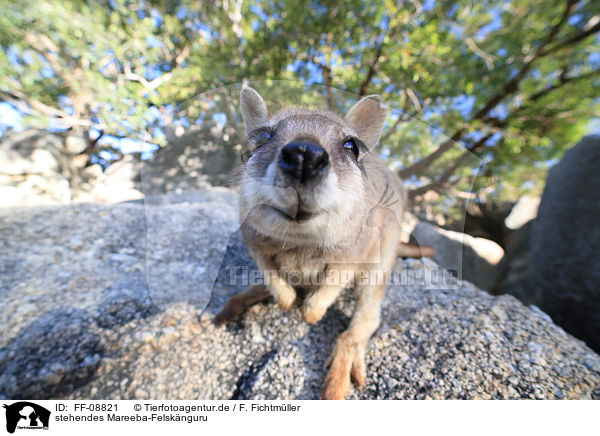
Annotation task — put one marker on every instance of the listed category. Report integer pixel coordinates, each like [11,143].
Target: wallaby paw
[337,384]
[312,314]
[286,300]
[358,373]
[346,364]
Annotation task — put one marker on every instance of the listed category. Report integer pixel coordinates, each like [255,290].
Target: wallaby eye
[350,145]
[262,138]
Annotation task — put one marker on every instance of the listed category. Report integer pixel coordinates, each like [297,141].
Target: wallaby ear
[253,108]
[367,117]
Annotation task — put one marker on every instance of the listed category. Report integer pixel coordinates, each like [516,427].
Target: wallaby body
[320,213]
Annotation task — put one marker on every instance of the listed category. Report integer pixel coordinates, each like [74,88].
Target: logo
[26,415]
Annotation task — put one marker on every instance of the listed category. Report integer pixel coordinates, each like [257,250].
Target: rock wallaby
[320,213]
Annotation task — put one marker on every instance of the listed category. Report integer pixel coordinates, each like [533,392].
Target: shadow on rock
[53,356]
[118,310]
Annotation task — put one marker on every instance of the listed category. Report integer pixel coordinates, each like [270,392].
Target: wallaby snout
[303,161]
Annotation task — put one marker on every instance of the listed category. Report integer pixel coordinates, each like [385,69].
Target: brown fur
[355,213]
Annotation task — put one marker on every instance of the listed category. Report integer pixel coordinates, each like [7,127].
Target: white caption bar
[281,417]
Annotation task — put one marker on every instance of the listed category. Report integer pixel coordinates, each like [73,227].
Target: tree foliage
[514,82]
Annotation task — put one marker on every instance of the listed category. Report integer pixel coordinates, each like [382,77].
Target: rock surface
[78,319]
[564,271]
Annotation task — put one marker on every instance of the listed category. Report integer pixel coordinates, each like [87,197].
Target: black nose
[303,160]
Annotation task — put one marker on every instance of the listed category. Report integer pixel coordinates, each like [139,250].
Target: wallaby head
[306,174]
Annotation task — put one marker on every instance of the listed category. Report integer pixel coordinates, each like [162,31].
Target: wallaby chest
[301,261]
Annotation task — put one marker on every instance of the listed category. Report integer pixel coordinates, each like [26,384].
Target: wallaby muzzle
[302,161]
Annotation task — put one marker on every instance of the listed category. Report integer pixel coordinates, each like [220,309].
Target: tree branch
[508,88]
[563,80]
[403,116]
[487,58]
[441,182]
[371,71]
[46,46]
[573,40]
[426,162]
[513,85]
[27,105]
[328,78]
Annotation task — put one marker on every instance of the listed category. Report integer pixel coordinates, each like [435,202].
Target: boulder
[564,271]
[484,220]
[522,212]
[79,319]
[75,144]
[31,169]
[513,270]
[196,157]
[40,168]
[34,190]
[30,152]
[120,182]
[470,258]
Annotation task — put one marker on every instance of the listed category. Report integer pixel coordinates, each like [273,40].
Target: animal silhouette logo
[26,415]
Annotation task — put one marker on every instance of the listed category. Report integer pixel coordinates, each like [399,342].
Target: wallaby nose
[303,160]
